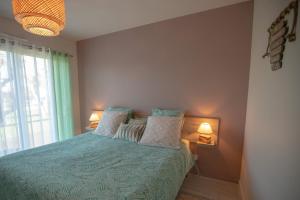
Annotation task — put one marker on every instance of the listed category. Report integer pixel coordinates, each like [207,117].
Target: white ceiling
[90,18]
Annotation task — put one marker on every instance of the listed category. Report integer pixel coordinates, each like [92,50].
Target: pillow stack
[162,129]
[113,124]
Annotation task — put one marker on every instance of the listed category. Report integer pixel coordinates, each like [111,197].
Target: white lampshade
[94,117]
[205,128]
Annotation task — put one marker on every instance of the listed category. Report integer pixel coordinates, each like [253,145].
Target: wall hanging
[279,34]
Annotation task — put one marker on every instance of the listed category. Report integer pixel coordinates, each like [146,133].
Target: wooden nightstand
[194,125]
[87,128]
[201,144]
[193,138]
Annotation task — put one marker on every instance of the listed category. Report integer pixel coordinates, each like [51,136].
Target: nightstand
[193,138]
[201,132]
[87,128]
[201,144]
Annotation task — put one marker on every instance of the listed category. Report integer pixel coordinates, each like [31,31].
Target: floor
[202,188]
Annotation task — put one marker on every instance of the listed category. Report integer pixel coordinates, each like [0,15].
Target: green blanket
[92,167]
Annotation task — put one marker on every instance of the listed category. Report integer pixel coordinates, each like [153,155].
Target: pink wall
[198,63]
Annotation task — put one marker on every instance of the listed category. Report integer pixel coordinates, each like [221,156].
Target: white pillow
[110,122]
[163,131]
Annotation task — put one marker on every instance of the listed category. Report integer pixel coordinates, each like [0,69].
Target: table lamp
[205,131]
[94,119]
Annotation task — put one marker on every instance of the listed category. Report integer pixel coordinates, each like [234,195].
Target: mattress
[94,167]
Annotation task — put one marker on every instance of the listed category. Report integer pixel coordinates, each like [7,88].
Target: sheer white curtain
[27,107]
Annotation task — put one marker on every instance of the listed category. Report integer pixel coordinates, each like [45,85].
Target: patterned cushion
[131,132]
[110,122]
[165,112]
[163,131]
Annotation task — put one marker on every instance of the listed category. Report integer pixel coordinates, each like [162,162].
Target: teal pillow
[165,112]
[122,109]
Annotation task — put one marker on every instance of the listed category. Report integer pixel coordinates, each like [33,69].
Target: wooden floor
[202,188]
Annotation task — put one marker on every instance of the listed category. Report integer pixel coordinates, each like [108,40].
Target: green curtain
[63,95]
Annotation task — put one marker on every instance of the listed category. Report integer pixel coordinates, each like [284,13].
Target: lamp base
[93,125]
[205,138]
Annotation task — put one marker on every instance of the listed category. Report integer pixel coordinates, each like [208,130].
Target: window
[27,108]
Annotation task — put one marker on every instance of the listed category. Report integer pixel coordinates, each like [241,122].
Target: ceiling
[90,18]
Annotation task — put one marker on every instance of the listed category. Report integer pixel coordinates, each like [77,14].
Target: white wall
[271,160]
[11,27]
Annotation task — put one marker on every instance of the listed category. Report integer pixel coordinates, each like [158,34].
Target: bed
[94,167]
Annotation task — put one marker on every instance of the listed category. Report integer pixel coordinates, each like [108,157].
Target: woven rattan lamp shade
[41,17]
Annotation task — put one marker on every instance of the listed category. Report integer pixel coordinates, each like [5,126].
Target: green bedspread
[93,167]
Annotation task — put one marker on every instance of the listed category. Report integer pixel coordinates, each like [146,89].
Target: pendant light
[40,17]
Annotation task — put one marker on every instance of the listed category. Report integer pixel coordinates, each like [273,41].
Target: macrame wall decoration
[279,34]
